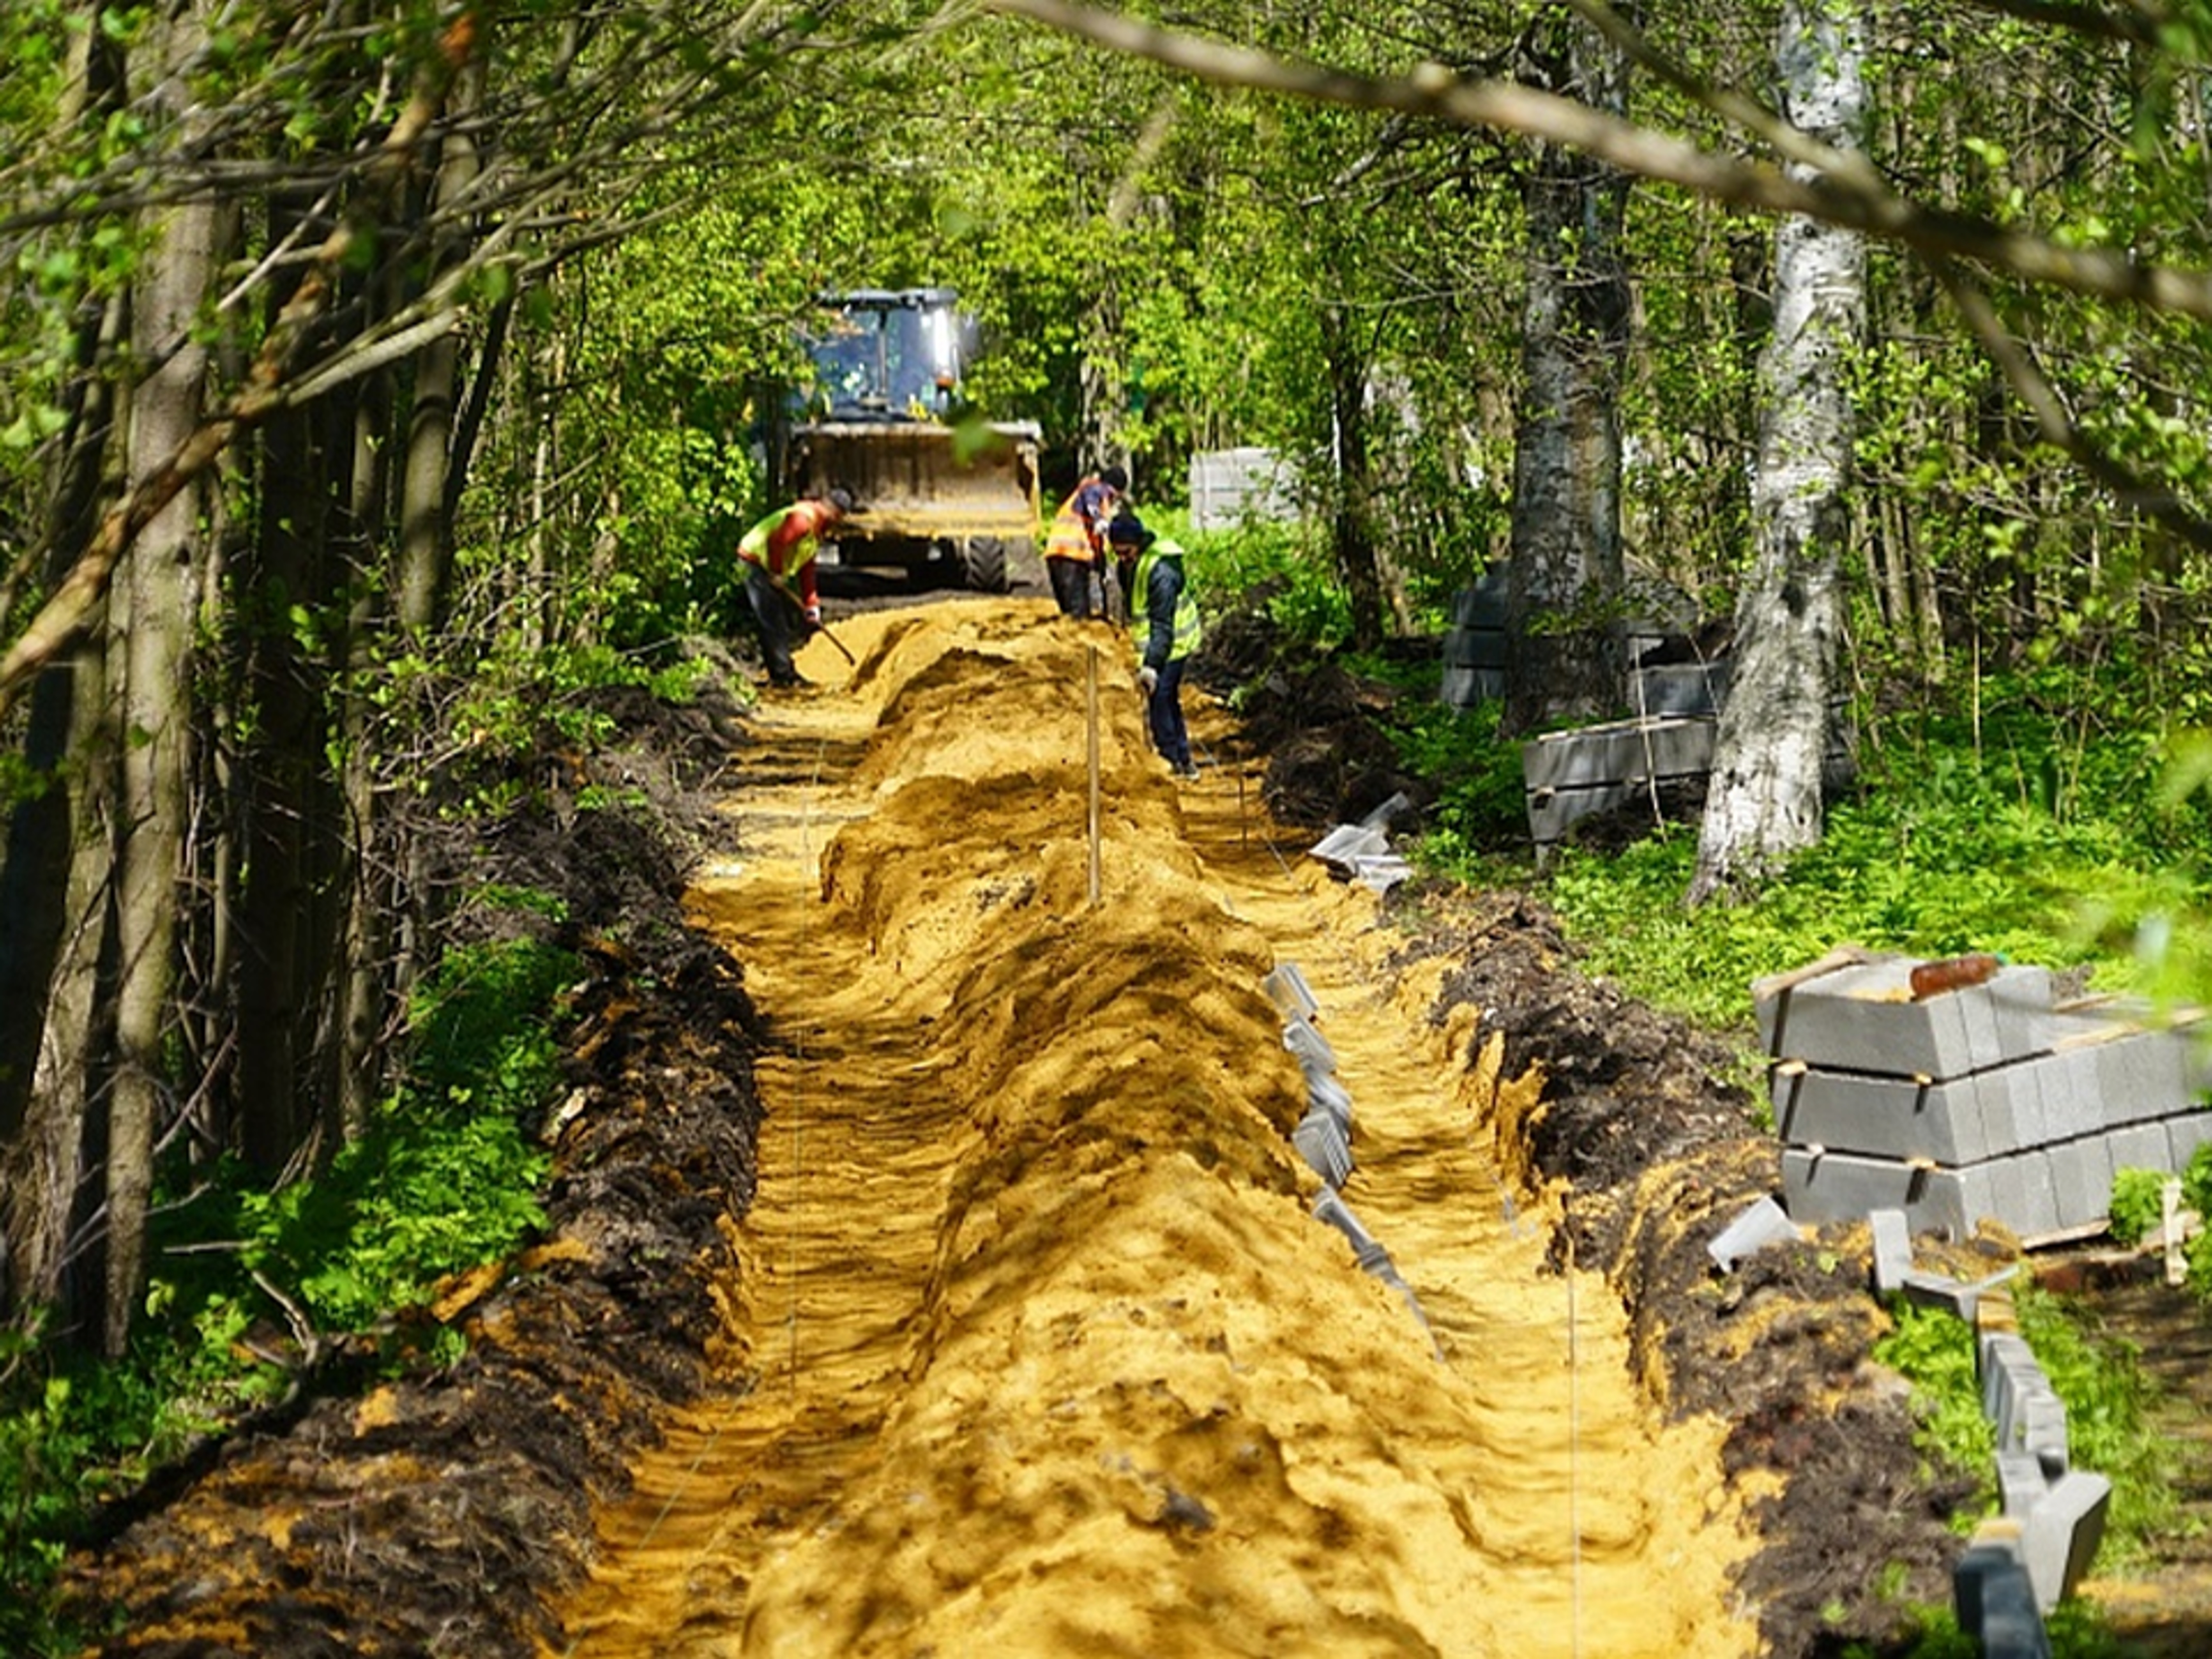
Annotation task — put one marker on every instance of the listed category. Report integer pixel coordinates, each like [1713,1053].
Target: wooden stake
[1091,718]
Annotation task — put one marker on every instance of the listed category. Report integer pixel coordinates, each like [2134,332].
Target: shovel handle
[783,587]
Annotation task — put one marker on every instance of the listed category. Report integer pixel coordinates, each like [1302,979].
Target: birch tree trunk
[1765,800]
[1564,574]
[161,590]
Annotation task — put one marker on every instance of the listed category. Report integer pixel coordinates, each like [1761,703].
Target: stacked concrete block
[1994,1596]
[1993,1100]
[1570,775]
[1474,648]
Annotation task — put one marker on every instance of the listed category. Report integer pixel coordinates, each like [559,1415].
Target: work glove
[814,616]
[1148,678]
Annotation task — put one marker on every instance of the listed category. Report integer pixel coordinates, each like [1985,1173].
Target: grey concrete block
[2030,1205]
[2139,1077]
[1321,1142]
[2184,1133]
[2081,1179]
[2010,1099]
[2020,999]
[1821,1186]
[1994,1597]
[1311,1048]
[1287,989]
[2075,1105]
[1618,752]
[2139,1146]
[1892,1249]
[2025,1412]
[2059,1540]
[1999,1356]
[1897,1117]
[2015,1376]
[1862,1019]
[2021,1484]
[1343,847]
[1325,1094]
[1329,1207]
[1764,1223]
[1960,1298]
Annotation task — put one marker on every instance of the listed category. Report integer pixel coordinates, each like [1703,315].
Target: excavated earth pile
[1039,1347]
[945,1280]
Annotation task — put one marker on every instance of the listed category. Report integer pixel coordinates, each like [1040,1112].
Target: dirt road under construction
[1035,1346]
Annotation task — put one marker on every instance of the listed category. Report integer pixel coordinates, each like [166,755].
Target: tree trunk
[1765,800]
[1565,574]
[1351,524]
[426,539]
[160,591]
[284,687]
[49,948]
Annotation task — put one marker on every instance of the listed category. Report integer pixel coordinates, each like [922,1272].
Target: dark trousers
[782,623]
[1071,585]
[1164,710]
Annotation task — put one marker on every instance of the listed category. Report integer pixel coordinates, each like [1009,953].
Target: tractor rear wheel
[983,564]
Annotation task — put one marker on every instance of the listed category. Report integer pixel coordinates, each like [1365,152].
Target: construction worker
[1164,623]
[777,551]
[1072,550]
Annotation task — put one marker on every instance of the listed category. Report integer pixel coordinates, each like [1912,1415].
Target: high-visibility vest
[753,545]
[1072,535]
[1188,633]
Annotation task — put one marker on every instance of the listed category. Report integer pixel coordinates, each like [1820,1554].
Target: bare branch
[1852,202]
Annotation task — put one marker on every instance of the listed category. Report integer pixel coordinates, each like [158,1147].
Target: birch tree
[1764,801]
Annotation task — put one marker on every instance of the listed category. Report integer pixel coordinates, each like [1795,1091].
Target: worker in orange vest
[777,551]
[1073,550]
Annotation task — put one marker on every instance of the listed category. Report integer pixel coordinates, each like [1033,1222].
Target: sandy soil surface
[1040,1348]
[931,1271]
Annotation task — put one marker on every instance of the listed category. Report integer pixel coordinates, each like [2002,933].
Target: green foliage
[1934,1351]
[2101,1384]
[1278,562]
[2036,842]
[444,1180]
[2138,1203]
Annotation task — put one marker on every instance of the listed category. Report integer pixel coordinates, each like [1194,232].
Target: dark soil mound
[432,1513]
[1329,759]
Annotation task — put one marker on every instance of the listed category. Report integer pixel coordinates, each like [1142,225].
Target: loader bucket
[923,491]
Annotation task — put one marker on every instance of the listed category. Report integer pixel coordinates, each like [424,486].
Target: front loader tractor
[881,415]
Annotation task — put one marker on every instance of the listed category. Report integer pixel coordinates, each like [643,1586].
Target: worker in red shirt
[779,552]
[1072,549]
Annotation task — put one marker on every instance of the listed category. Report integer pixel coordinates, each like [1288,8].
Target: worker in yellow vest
[779,552]
[1164,622]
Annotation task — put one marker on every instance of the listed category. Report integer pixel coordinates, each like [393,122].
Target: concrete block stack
[1569,775]
[1995,1099]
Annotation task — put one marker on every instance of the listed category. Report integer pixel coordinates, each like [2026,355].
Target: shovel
[784,588]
